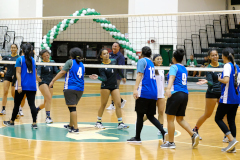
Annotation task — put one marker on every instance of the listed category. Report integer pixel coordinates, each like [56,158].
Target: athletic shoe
[231,145]
[48,120]
[76,131]
[34,126]
[195,140]
[123,103]
[68,127]
[165,138]
[99,125]
[200,138]
[20,113]
[134,140]
[122,126]
[225,139]
[8,123]
[233,150]
[168,145]
[111,107]
[3,112]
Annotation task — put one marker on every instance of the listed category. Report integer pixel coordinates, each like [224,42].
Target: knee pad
[72,109]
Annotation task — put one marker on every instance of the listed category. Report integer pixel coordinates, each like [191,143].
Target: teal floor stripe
[93,95]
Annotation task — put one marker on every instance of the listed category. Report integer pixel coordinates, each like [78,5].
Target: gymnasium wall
[85,30]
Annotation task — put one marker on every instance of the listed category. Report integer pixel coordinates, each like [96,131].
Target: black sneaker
[8,123]
[74,130]
[34,126]
[134,140]
[68,127]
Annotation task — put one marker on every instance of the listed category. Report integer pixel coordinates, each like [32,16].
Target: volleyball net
[195,32]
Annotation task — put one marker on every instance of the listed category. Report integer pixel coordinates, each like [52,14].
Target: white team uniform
[160,80]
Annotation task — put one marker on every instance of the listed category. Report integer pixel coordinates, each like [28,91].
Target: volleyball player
[214,89]
[9,76]
[145,93]
[74,85]
[116,54]
[46,74]
[177,94]
[229,99]
[109,85]
[26,84]
[160,80]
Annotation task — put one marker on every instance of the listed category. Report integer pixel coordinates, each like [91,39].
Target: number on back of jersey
[184,79]
[79,73]
[152,72]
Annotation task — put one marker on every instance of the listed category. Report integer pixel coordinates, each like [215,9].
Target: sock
[48,113]
[120,120]
[171,142]
[196,129]
[112,102]
[38,108]
[99,119]
[121,100]
[3,107]
[20,108]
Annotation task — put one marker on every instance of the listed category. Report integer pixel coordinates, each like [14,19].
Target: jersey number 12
[79,73]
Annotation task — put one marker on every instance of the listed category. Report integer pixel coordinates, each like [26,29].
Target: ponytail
[27,49]
[77,54]
[229,53]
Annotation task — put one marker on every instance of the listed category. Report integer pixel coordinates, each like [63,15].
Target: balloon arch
[105,24]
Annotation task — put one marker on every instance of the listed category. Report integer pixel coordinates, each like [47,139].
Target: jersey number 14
[79,73]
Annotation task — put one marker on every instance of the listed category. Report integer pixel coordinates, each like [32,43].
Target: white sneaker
[123,103]
[122,126]
[99,125]
[3,112]
[20,113]
[225,139]
[159,133]
[111,107]
[49,120]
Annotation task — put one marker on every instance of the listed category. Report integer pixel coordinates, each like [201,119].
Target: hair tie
[230,54]
[77,56]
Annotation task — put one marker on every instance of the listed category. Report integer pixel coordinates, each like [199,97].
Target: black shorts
[212,95]
[40,83]
[177,104]
[72,97]
[111,89]
[145,106]
[8,79]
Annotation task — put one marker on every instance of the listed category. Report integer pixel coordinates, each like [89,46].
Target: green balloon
[58,26]
[79,13]
[100,20]
[107,29]
[55,36]
[113,36]
[50,45]
[133,58]
[42,45]
[110,29]
[121,45]
[105,21]
[114,30]
[71,14]
[116,37]
[75,21]
[97,20]
[67,22]
[57,30]
[48,38]
[130,56]
[124,46]
[43,48]
[127,47]
[99,13]
[94,20]
[104,28]
[136,60]
[127,40]
[80,10]
[134,51]
[118,30]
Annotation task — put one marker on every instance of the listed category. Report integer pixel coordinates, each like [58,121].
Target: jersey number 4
[79,73]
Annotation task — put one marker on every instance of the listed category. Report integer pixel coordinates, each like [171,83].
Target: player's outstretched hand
[201,81]
[93,76]
[135,94]
[50,84]
[168,93]
[124,80]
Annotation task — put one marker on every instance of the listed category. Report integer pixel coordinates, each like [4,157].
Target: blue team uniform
[148,86]
[228,91]
[28,80]
[180,82]
[74,79]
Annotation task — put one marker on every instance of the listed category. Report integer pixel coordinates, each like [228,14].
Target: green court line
[93,95]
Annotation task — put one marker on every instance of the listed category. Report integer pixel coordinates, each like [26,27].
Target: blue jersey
[74,79]
[228,91]
[28,79]
[180,82]
[148,86]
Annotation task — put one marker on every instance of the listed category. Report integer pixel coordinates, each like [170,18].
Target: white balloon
[89,10]
[55,27]
[82,14]
[111,33]
[62,25]
[52,33]
[103,18]
[84,11]
[72,21]
[134,54]
[127,51]
[130,52]
[133,62]
[127,43]
[102,24]
[137,57]
[130,45]
[45,45]
[60,29]
[122,35]
[93,10]
[64,21]
[113,26]
[105,25]
[44,40]
[124,42]
[48,48]
[51,37]
[45,37]
[118,34]
[110,25]
[49,51]
[74,14]
[51,40]
[120,42]
[114,33]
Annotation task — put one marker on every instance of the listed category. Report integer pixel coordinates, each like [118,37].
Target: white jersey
[160,79]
